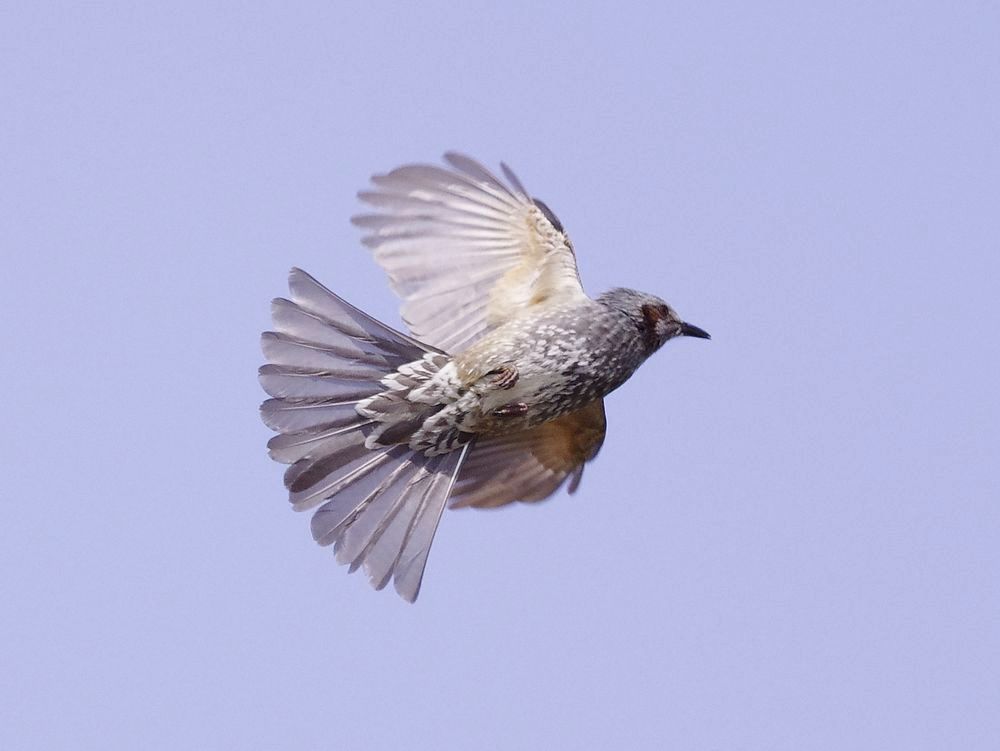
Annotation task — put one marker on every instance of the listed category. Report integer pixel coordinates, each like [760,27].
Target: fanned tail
[379,506]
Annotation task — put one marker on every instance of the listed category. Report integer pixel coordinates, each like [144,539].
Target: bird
[495,396]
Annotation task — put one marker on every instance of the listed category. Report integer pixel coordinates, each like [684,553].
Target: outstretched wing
[532,464]
[465,250]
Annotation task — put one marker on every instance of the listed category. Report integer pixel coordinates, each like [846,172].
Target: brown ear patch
[652,314]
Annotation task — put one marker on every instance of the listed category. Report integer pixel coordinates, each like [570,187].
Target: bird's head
[655,321]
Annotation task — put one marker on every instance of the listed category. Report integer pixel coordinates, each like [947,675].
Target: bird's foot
[514,409]
[504,377]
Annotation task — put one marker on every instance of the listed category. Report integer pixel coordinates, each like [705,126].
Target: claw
[505,376]
[514,409]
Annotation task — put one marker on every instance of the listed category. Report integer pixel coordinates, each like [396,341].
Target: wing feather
[532,464]
[464,249]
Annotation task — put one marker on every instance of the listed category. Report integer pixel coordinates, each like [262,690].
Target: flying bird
[496,395]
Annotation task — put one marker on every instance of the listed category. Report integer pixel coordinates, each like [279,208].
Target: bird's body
[562,357]
[526,372]
[499,397]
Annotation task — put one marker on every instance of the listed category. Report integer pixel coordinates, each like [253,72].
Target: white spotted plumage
[495,398]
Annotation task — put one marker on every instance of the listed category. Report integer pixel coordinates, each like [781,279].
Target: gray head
[656,321]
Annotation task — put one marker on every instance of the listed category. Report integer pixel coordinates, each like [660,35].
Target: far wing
[465,250]
[530,465]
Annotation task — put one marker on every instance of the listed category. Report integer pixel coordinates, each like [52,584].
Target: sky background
[791,539]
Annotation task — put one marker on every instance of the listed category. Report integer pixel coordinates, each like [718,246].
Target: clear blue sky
[791,539]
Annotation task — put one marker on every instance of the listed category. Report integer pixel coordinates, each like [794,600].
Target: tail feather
[391,531]
[280,349]
[349,520]
[285,383]
[317,477]
[335,521]
[409,567]
[300,324]
[288,416]
[328,442]
[378,505]
[313,297]
[389,535]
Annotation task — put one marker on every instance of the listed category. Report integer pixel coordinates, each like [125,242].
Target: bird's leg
[514,409]
[505,376]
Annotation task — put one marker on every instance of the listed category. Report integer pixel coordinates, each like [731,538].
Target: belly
[546,396]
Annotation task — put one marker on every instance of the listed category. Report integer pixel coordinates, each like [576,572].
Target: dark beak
[688,330]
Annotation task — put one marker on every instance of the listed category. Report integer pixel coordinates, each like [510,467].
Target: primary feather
[464,250]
